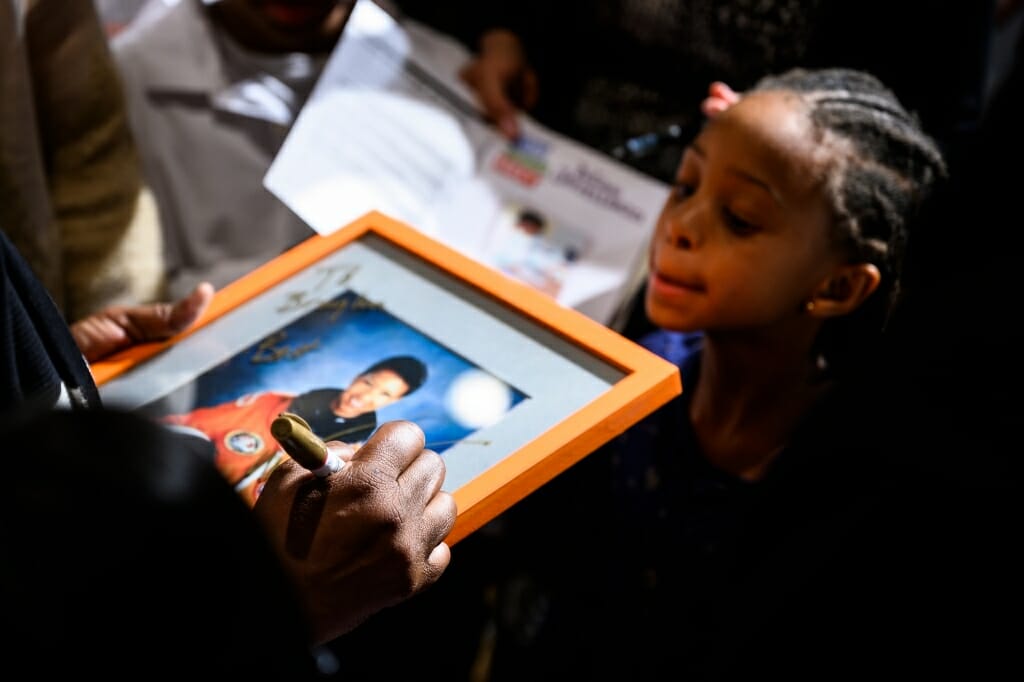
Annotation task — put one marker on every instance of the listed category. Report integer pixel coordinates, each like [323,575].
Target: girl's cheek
[660,230]
[656,240]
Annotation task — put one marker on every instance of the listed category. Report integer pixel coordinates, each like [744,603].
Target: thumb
[499,107]
[119,327]
[491,83]
[158,321]
[187,310]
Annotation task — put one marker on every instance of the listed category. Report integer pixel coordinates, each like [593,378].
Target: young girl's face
[742,241]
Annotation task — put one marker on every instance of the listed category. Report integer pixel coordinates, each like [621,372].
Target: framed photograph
[377,322]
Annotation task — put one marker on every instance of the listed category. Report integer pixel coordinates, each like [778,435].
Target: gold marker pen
[302,445]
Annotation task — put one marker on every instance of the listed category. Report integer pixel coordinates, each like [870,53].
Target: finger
[441,513]
[424,476]
[491,84]
[493,91]
[158,321]
[344,451]
[438,561]
[148,322]
[98,337]
[391,448]
[186,311]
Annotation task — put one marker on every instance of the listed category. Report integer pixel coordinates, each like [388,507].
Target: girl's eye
[737,224]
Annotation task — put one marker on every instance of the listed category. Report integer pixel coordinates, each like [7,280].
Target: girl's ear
[844,290]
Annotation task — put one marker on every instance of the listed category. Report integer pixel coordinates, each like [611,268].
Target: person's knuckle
[364,482]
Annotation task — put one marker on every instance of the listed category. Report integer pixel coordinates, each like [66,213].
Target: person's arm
[118,327]
[108,242]
[366,537]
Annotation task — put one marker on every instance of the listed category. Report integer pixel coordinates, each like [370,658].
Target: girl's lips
[660,280]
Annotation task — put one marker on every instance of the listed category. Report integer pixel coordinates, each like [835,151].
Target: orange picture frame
[579,383]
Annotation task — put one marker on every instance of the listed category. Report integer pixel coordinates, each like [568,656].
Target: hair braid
[886,167]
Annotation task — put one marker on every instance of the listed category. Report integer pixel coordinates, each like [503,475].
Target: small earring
[809,305]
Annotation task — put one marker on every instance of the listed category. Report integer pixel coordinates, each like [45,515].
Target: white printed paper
[390,127]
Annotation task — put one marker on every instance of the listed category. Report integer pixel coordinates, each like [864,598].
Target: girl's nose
[679,241]
[682,231]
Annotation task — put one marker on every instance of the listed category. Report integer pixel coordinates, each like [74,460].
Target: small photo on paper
[345,367]
[530,247]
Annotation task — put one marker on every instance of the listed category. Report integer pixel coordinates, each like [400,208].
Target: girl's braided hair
[886,166]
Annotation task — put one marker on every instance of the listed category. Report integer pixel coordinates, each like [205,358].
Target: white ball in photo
[476,399]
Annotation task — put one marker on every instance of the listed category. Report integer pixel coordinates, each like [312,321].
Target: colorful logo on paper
[524,161]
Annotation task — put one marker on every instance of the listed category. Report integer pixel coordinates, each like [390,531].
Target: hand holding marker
[302,445]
